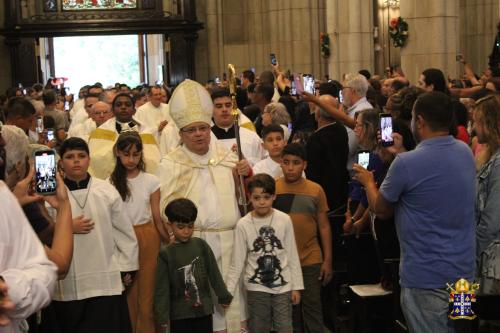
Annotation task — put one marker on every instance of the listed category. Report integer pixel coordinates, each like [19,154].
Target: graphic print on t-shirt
[190,282]
[268,271]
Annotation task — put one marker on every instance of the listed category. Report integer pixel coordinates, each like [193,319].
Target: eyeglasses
[102,113]
[192,130]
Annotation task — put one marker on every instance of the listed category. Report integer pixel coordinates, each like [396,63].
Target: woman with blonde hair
[487,128]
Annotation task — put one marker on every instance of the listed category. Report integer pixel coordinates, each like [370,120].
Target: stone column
[433,37]
[478,21]
[350,27]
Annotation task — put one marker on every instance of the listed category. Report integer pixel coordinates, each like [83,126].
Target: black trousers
[105,314]
[192,325]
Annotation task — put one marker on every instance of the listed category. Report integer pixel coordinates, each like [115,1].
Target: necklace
[86,196]
[253,223]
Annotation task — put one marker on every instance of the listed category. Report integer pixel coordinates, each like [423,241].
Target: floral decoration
[325,45]
[398,30]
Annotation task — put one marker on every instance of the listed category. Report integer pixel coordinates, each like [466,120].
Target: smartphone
[293,88]
[308,81]
[253,69]
[66,105]
[299,86]
[217,80]
[274,62]
[50,134]
[385,120]
[24,92]
[341,97]
[39,125]
[45,172]
[364,158]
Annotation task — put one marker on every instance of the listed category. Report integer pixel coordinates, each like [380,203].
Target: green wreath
[398,30]
[325,45]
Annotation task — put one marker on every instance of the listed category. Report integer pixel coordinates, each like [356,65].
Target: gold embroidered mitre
[190,103]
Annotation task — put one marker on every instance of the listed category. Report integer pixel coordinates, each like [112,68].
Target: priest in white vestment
[154,114]
[99,114]
[202,171]
[170,139]
[82,114]
[102,140]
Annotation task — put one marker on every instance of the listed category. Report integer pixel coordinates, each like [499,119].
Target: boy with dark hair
[266,251]
[305,202]
[186,272]
[273,138]
[105,253]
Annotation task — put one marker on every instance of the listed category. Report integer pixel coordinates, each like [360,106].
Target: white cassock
[208,181]
[24,266]
[169,138]
[82,130]
[102,140]
[251,144]
[77,105]
[79,114]
[110,248]
[151,116]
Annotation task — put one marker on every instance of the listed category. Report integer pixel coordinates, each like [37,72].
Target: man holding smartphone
[430,191]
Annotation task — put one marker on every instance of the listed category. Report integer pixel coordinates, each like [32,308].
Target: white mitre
[190,103]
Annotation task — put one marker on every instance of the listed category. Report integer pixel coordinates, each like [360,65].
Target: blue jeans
[426,310]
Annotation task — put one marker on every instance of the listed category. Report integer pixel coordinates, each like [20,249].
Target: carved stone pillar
[350,26]
[433,37]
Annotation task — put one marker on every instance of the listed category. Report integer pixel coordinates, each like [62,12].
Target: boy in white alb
[89,298]
[265,249]
[273,140]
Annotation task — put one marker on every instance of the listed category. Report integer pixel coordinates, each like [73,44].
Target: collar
[362,100]
[119,125]
[436,141]
[73,185]
[223,133]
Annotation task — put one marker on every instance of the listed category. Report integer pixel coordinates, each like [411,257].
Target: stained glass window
[98,4]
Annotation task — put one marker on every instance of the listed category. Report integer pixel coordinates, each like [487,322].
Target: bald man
[327,151]
[99,113]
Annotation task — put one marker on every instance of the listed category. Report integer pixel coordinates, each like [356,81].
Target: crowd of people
[201,211]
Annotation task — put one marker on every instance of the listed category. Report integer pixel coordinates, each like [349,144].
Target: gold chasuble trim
[103,134]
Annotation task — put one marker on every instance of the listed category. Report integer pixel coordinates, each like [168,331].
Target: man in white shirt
[354,91]
[27,277]
[154,113]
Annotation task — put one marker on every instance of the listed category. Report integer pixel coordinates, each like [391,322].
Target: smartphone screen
[341,97]
[66,106]
[293,88]
[299,87]
[274,62]
[50,134]
[364,158]
[386,129]
[308,83]
[45,171]
[217,80]
[39,125]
